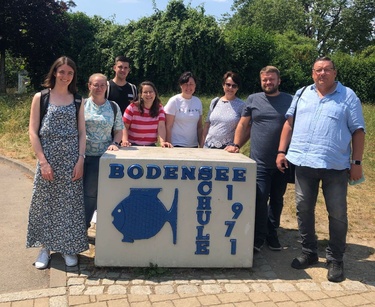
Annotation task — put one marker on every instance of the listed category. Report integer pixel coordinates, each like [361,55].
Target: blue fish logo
[142,215]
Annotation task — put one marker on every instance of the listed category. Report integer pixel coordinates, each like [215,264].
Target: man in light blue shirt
[326,146]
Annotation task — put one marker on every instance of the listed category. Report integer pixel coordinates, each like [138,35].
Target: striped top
[143,129]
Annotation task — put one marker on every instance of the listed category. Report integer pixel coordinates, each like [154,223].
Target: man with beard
[264,116]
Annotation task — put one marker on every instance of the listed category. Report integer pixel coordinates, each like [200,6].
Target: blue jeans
[270,189]
[90,186]
[334,187]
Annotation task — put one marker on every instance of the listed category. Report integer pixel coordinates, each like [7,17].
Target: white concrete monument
[175,207]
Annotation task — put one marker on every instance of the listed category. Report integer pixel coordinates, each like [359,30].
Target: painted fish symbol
[142,215]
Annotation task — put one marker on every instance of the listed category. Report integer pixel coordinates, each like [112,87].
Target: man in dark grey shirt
[264,113]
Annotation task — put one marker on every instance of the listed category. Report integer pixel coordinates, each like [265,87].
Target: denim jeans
[90,186]
[270,189]
[334,186]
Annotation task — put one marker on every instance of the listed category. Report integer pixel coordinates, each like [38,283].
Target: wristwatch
[116,144]
[356,162]
[235,145]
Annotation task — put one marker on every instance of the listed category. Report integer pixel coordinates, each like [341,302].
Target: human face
[148,95]
[98,86]
[269,81]
[324,75]
[64,75]
[121,69]
[188,88]
[230,88]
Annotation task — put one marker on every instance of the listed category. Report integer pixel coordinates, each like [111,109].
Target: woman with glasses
[223,115]
[145,119]
[184,115]
[104,129]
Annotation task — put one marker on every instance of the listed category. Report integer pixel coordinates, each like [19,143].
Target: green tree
[275,16]
[294,57]
[170,42]
[31,29]
[250,49]
[93,45]
[357,72]
[346,25]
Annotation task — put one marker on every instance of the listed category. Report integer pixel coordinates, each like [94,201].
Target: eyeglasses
[326,70]
[102,86]
[231,85]
[148,92]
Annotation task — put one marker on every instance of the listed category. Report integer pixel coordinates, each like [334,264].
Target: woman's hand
[113,147]
[78,169]
[46,170]
[166,145]
[125,143]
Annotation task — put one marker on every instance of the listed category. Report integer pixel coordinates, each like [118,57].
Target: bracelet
[281,152]
[235,145]
[82,155]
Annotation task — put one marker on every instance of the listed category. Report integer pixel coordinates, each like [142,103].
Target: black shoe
[273,243]
[335,271]
[258,244]
[304,261]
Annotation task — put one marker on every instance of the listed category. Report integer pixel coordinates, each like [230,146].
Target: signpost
[175,207]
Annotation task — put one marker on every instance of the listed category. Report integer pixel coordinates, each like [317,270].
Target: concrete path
[16,262]
[271,281]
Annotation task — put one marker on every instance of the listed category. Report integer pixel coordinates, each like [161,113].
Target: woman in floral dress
[56,216]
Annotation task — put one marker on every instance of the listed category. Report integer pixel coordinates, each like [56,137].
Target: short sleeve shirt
[99,121]
[187,113]
[143,129]
[267,119]
[223,117]
[323,128]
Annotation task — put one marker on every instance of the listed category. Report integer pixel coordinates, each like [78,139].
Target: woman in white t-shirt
[184,115]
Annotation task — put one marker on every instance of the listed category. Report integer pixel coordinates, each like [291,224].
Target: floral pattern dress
[56,216]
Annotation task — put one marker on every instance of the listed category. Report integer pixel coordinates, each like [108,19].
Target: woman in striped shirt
[145,119]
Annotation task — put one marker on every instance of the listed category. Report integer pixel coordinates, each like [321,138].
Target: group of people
[323,137]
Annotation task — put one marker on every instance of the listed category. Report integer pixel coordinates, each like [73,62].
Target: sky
[124,11]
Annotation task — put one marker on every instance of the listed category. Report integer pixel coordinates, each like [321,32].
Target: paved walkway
[271,281]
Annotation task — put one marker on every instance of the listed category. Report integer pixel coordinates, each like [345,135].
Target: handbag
[290,172]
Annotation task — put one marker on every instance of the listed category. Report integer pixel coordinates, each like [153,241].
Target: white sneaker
[70,260]
[43,259]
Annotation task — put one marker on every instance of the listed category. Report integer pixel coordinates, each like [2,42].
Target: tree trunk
[3,89]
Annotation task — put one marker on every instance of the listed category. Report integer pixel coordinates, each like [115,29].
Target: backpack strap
[44,101]
[114,109]
[107,92]
[77,103]
[134,90]
[215,103]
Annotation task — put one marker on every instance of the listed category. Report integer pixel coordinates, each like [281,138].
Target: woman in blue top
[223,115]
[99,119]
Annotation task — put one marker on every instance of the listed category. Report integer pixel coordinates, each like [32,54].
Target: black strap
[295,114]
[215,103]
[114,109]
[295,110]
[44,101]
